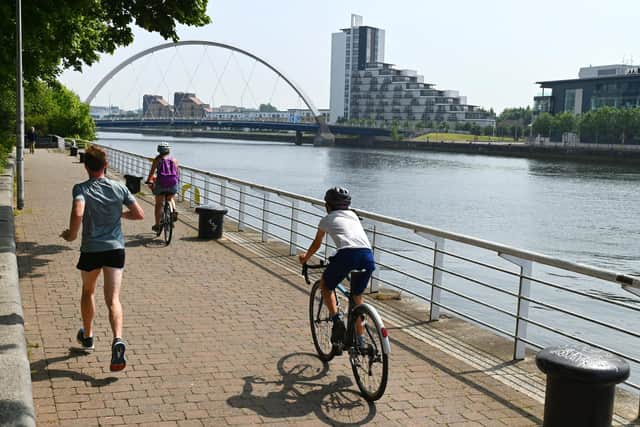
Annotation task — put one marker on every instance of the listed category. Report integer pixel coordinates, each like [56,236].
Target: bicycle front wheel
[369,362]
[167,223]
[320,321]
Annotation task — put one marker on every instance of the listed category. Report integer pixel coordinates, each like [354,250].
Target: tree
[70,33]
[267,108]
[562,123]
[542,124]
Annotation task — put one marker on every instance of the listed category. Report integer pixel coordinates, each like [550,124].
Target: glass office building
[615,86]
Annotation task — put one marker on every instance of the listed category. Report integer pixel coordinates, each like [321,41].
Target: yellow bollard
[196,192]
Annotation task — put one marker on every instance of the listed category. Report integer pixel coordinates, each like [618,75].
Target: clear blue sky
[491,51]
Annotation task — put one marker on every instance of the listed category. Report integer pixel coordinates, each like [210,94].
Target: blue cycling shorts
[346,260]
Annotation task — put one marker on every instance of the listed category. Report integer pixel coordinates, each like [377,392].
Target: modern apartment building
[365,87]
[616,85]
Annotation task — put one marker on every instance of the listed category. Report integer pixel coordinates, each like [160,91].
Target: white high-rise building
[351,50]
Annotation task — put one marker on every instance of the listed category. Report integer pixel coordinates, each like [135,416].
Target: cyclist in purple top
[164,177]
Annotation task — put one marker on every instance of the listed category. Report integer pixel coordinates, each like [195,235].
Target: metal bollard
[581,383]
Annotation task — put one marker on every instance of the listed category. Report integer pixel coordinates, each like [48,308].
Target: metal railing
[534,299]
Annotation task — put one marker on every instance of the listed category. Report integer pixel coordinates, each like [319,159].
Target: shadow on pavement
[40,370]
[300,392]
[11,319]
[148,240]
[30,256]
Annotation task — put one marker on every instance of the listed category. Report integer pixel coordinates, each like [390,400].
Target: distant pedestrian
[97,206]
[31,139]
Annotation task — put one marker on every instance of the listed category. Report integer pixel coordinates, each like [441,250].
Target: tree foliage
[605,125]
[70,33]
[267,108]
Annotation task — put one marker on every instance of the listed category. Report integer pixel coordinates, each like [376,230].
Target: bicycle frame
[350,309]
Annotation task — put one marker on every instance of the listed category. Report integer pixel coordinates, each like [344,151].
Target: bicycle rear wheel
[369,363]
[167,223]
[321,324]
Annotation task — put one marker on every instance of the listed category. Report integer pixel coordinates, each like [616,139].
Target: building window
[570,100]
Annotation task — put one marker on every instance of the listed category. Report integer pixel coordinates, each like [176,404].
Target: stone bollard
[210,221]
[581,383]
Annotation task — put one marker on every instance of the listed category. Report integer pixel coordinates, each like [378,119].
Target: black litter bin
[133,183]
[81,154]
[210,221]
[73,151]
[581,382]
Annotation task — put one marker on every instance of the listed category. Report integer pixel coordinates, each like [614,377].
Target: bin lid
[132,177]
[583,364]
[211,208]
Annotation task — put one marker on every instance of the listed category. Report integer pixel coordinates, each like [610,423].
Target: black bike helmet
[338,198]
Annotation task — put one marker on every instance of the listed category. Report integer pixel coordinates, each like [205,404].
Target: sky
[491,51]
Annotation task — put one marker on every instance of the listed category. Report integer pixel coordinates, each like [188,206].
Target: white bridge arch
[149,51]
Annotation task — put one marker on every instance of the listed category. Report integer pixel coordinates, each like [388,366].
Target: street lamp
[19,109]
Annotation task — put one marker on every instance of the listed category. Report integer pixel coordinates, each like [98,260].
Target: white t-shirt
[345,229]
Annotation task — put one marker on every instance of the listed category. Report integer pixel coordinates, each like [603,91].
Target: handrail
[627,281]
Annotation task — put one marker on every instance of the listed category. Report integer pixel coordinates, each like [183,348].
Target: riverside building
[616,85]
[364,87]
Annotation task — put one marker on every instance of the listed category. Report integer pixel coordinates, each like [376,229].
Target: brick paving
[217,335]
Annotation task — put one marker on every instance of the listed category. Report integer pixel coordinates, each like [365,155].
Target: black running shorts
[91,260]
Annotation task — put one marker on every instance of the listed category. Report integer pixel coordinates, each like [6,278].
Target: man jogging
[97,206]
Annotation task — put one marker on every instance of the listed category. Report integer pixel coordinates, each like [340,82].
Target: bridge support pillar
[324,137]
[298,137]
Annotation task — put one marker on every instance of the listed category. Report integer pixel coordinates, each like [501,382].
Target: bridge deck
[217,334]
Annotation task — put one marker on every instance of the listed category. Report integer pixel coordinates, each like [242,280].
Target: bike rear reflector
[385,334]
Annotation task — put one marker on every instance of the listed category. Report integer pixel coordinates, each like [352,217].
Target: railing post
[265,217]
[293,239]
[205,196]
[223,192]
[191,189]
[375,283]
[436,274]
[242,208]
[524,292]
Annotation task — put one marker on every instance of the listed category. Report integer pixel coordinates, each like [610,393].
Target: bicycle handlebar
[306,267]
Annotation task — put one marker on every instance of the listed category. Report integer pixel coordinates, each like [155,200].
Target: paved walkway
[217,335]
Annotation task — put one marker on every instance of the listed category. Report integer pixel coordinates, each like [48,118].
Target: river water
[581,212]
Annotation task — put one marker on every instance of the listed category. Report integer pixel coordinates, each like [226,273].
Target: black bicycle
[369,357]
[166,219]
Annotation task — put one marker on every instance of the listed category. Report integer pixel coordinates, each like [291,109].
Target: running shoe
[118,360]
[85,342]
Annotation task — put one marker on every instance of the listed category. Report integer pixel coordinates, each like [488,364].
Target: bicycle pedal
[337,349]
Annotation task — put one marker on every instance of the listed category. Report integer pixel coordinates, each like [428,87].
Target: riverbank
[553,151]
[614,153]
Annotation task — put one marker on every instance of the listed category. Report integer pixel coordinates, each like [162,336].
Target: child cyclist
[353,253]
[163,178]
